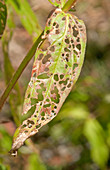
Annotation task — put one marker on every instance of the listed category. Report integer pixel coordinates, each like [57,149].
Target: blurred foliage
[95,135]
[79,137]
[27,16]
[3,16]
[58,4]
[34,161]
[15,99]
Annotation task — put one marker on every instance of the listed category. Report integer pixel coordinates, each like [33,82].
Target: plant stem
[20,70]
[68,5]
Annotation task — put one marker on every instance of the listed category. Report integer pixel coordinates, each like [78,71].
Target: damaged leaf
[55,71]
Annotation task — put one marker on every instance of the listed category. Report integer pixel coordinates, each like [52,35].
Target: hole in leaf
[34,101]
[75,52]
[46,69]
[34,75]
[75,32]
[40,56]
[78,40]
[43,76]
[54,23]
[67,41]
[49,22]
[72,41]
[56,77]
[55,107]
[67,55]
[64,82]
[37,126]
[69,85]
[57,25]
[79,46]
[57,32]
[66,66]
[43,114]
[73,45]
[48,31]
[75,65]
[52,49]
[23,126]
[30,122]
[67,50]
[66,59]
[55,96]
[69,25]
[46,58]
[39,91]
[63,88]
[61,76]
[47,100]
[47,105]
[28,96]
[63,18]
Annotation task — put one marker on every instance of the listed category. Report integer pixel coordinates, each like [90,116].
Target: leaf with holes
[55,71]
[3,16]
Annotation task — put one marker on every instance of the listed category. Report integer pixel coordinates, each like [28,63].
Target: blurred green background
[79,137]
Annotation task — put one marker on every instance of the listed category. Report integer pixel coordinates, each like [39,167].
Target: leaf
[34,161]
[27,16]
[72,110]
[5,140]
[3,167]
[54,72]
[58,3]
[3,16]
[95,135]
[108,134]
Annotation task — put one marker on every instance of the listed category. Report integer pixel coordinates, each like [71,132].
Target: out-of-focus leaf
[72,110]
[3,16]
[5,140]
[35,163]
[108,134]
[95,135]
[58,3]
[79,95]
[26,15]
[3,167]
[10,20]
[56,131]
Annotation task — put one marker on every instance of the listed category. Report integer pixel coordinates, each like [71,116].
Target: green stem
[68,5]
[20,70]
